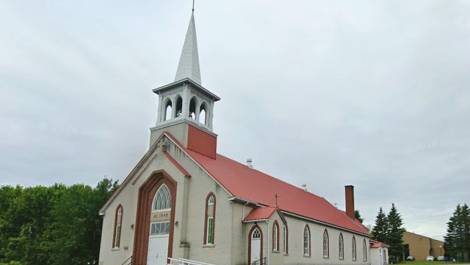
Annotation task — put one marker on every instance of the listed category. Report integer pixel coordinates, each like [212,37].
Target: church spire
[188,66]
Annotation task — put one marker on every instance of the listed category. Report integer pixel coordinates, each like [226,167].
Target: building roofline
[184,81]
[323,223]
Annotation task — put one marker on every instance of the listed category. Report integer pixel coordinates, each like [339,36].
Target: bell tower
[185,107]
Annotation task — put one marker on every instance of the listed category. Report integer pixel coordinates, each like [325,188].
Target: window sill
[307,256]
[326,257]
[208,246]
[115,249]
[275,251]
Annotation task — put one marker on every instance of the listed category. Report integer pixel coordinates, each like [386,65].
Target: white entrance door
[158,250]
[255,257]
[159,227]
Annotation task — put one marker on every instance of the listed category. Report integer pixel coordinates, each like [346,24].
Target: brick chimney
[349,192]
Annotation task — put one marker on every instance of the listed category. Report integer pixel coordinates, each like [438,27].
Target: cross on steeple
[193,6]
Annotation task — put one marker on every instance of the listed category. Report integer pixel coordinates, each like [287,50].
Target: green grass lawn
[429,263]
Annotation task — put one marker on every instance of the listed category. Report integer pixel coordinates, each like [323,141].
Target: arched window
[307,241]
[341,246]
[256,234]
[162,200]
[162,205]
[326,245]
[168,110]
[203,114]
[117,227]
[364,250]
[209,222]
[192,108]
[354,252]
[276,236]
[179,107]
[285,239]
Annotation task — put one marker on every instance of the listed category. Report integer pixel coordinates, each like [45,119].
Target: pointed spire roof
[188,66]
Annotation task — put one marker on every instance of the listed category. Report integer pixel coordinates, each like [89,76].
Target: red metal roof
[261,213]
[255,186]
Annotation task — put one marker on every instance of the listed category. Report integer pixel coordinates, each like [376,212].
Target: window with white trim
[275,237]
[364,250]
[307,241]
[285,239]
[326,245]
[354,252]
[117,227]
[341,246]
[209,225]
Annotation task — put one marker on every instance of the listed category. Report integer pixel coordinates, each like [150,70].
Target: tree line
[56,225]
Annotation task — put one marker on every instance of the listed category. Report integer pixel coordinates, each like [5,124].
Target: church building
[184,200]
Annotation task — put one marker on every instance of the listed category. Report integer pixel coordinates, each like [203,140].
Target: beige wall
[421,246]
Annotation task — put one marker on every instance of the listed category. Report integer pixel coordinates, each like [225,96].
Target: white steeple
[188,66]
[186,100]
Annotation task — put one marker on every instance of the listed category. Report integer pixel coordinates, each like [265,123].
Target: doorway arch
[154,220]
[255,246]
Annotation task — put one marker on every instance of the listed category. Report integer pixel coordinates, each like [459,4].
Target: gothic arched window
[192,108]
[162,200]
[364,250]
[168,110]
[307,241]
[354,252]
[117,227]
[203,114]
[326,245]
[276,236]
[341,246]
[161,206]
[209,222]
[179,107]
[285,238]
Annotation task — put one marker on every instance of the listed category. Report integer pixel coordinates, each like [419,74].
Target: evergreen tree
[380,230]
[358,216]
[395,235]
[457,240]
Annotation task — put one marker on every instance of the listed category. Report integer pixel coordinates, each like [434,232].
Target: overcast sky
[324,93]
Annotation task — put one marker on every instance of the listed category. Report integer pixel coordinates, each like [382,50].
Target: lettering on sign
[161,216]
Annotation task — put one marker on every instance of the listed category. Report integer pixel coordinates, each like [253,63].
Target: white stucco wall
[295,236]
[379,256]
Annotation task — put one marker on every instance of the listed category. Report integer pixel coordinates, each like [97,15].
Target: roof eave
[255,220]
[199,87]
[325,223]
